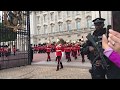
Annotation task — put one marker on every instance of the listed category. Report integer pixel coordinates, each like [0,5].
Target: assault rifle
[98,47]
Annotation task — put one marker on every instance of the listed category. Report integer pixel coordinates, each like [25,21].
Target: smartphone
[115,20]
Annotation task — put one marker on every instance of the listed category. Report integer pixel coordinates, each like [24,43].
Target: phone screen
[116,20]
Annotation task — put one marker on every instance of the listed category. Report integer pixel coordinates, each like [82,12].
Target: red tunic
[74,48]
[68,49]
[78,47]
[59,50]
[48,49]
[14,49]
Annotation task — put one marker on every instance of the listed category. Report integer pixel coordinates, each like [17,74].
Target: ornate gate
[14,39]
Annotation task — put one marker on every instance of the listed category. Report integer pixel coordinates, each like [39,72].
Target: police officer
[97,71]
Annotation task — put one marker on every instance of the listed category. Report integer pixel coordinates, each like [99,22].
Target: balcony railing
[63,33]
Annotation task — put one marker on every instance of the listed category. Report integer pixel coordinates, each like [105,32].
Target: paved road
[44,72]
[41,69]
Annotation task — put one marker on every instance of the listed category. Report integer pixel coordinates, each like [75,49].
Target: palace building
[48,26]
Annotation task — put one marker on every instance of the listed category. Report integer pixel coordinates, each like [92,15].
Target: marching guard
[59,50]
[48,50]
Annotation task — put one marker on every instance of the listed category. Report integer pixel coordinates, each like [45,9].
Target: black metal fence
[14,39]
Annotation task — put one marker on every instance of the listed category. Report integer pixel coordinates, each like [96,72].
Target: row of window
[60,27]
[60,24]
[52,15]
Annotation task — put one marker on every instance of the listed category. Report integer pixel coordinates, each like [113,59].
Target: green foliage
[7,34]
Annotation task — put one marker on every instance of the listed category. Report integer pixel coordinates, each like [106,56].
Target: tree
[7,34]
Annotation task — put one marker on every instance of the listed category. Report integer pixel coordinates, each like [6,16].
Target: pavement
[41,69]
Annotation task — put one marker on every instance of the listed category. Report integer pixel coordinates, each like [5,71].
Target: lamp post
[29,45]
[99,14]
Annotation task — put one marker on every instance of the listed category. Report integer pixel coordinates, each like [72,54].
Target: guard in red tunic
[68,50]
[14,49]
[48,50]
[5,50]
[59,52]
[75,51]
[78,49]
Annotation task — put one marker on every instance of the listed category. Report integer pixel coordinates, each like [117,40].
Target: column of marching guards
[70,50]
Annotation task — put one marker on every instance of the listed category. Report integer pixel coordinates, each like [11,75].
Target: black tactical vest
[113,72]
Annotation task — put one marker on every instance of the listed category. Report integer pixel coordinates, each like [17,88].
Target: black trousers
[98,72]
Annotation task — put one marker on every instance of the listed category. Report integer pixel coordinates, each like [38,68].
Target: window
[52,16]
[45,29]
[88,11]
[73,13]
[68,13]
[38,19]
[59,14]
[77,12]
[60,27]
[89,22]
[68,26]
[52,28]
[45,17]
[69,36]
[78,25]
[38,30]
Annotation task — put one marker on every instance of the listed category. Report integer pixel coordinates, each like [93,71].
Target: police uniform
[97,71]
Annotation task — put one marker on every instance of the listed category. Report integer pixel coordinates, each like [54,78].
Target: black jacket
[113,71]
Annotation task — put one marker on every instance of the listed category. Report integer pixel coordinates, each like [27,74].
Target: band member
[35,48]
[75,51]
[72,50]
[59,50]
[14,49]
[5,50]
[78,49]
[48,50]
[68,50]
[65,47]
[82,55]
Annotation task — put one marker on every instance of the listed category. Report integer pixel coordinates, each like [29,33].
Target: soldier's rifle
[99,49]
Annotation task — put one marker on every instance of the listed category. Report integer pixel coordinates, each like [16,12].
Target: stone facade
[70,25]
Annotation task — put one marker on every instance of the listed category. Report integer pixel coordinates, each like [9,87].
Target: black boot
[70,59]
[83,60]
[61,65]
[56,59]
[57,67]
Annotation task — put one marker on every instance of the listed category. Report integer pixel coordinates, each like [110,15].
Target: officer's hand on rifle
[91,48]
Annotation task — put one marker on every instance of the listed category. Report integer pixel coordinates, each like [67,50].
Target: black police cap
[99,20]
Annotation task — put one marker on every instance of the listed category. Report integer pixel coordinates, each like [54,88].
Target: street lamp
[99,14]
[29,44]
